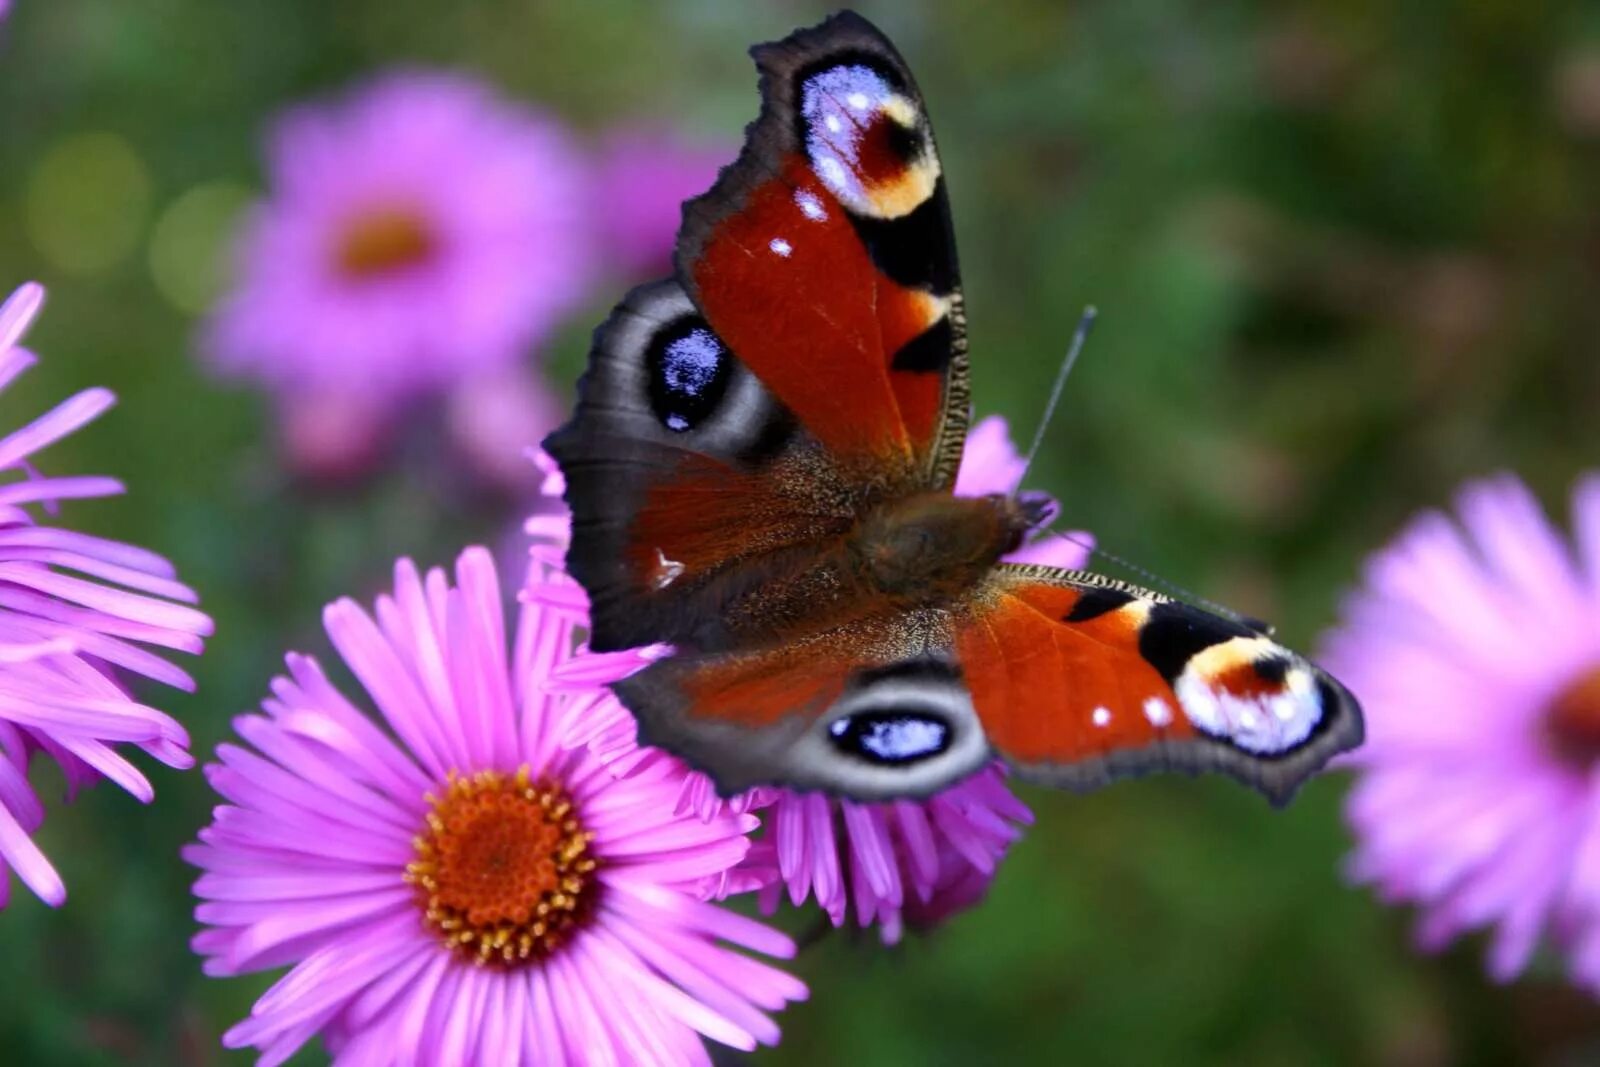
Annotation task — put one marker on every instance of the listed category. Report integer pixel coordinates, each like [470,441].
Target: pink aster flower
[456,881]
[1474,646]
[74,609]
[935,857]
[416,232]
[642,177]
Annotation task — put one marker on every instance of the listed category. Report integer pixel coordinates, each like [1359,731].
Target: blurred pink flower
[495,421]
[62,635]
[642,177]
[483,426]
[416,232]
[1475,650]
[335,438]
[469,885]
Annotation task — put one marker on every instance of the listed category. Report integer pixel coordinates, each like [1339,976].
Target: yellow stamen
[502,870]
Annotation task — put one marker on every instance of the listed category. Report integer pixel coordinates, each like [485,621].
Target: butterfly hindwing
[1072,679]
[872,709]
[1079,680]
[682,469]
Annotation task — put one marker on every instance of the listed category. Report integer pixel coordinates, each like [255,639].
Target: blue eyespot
[890,737]
[688,368]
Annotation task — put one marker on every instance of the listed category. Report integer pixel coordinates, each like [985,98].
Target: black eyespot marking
[1272,669]
[890,737]
[1095,603]
[1175,632]
[688,368]
[905,142]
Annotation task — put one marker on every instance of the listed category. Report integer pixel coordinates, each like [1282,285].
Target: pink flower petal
[1457,643]
[306,865]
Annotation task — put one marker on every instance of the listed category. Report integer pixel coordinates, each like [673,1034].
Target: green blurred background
[1346,254]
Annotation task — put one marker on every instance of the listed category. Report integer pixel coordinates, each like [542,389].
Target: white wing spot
[1101,717]
[780,246]
[833,123]
[810,206]
[1157,711]
[667,570]
[832,172]
[858,101]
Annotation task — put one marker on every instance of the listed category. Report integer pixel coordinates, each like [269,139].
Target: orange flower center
[384,241]
[502,869]
[1573,719]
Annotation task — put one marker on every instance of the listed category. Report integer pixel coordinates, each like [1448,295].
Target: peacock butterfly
[759,471]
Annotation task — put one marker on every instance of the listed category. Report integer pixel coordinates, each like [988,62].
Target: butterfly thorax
[934,547]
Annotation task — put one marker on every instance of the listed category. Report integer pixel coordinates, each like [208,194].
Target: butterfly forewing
[824,255]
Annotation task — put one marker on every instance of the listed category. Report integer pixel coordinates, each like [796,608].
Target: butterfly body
[933,549]
[760,470]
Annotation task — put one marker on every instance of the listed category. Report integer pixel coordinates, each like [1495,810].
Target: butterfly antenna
[1079,336]
[1170,587]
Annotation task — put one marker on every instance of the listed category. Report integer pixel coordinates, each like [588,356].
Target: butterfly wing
[682,472]
[1079,680]
[808,362]
[825,257]
[1072,679]
[873,709]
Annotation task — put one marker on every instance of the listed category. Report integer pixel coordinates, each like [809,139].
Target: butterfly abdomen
[932,548]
